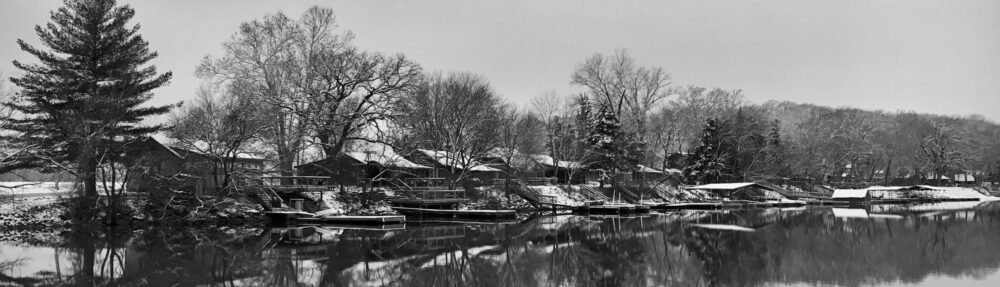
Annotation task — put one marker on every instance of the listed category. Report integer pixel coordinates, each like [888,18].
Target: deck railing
[433,194]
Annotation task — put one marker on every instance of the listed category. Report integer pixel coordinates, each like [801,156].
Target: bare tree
[694,105]
[221,126]
[262,54]
[629,90]
[457,114]
[664,133]
[8,152]
[319,89]
[354,91]
[942,152]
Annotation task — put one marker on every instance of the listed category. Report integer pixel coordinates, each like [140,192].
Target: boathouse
[899,192]
[150,160]
[741,190]
[377,167]
[854,196]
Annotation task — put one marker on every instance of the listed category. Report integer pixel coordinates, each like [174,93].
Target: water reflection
[874,246]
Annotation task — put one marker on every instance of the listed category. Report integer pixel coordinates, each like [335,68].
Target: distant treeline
[804,141]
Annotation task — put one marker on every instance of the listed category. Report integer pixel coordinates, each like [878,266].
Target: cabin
[652,176]
[150,160]
[513,162]
[378,167]
[445,165]
[565,172]
[852,196]
[742,191]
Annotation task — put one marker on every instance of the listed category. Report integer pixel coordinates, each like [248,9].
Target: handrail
[594,194]
[436,194]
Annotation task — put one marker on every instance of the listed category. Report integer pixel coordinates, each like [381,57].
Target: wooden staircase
[593,194]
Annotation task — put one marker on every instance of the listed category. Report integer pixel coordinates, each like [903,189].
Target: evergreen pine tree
[605,137]
[776,150]
[706,163]
[85,97]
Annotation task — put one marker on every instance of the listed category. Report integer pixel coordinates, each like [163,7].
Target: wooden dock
[690,205]
[281,216]
[350,219]
[827,202]
[612,209]
[456,214]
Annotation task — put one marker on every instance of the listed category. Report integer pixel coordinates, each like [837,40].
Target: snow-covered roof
[722,186]
[849,193]
[446,159]
[965,177]
[511,157]
[672,171]
[178,150]
[549,161]
[894,188]
[646,169]
[384,158]
[939,176]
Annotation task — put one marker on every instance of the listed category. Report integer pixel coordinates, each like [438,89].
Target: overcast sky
[929,56]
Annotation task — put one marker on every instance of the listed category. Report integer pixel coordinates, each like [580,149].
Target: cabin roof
[725,186]
[849,193]
[939,176]
[894,188]
[549,161]
[965,177]
[384,158]
[646,169]
[183,152]
[444,158]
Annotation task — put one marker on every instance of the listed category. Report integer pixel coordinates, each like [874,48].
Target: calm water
[934,245]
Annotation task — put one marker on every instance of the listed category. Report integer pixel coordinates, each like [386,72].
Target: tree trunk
[87,173]
[286,164]
[888,172]
[87,272]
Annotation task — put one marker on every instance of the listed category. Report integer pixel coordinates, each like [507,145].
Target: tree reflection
[799,246]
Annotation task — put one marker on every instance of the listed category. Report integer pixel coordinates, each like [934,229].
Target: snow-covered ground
[557,195]
[29,188]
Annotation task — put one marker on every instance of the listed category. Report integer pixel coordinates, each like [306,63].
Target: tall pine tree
[605,137]
[86,96]
[707,162]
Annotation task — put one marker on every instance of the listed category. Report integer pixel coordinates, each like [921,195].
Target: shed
[151,160]
[851,195]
